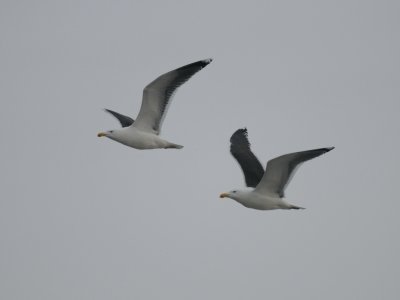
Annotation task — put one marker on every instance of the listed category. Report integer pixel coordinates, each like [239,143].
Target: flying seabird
[143,133]
[269,186]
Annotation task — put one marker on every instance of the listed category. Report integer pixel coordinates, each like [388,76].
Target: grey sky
[87,218]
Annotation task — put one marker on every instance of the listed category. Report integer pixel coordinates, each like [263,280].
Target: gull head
[234,194]
[241,196]
[106,133]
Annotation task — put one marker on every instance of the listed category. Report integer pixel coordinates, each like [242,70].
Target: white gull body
[140,139]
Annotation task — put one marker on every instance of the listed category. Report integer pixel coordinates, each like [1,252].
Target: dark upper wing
[251,166]
[157,95]
[280,170]
[124,120]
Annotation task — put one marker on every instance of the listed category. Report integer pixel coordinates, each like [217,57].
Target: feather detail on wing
[251,166]
[158,95]
[280,170]
[124,120]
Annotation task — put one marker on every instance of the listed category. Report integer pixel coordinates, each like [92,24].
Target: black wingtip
[124,120]
[198,65]
[205,62]
[243,131]
[240,131]
[329,149]
[109,111]
[324,150]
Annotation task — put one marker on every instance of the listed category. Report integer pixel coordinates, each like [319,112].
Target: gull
[143,133]
[269,186]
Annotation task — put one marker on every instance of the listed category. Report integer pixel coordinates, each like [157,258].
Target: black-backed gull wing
[124,120]
[158,95]
[280,170]
[240,149]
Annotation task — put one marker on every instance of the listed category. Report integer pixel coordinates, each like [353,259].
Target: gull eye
[111,131]
[234,191]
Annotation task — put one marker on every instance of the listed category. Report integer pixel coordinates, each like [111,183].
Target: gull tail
[295,207]
[173,146]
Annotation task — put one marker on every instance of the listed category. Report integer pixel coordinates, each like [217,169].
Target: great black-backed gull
[143,133]
[269,186]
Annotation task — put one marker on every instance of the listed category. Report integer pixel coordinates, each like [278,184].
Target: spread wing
[251,166]
[124,120]
[280,170]
[158,95]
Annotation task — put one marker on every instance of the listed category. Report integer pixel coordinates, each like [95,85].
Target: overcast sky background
[88,218]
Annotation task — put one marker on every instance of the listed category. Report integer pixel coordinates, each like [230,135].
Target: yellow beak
[100,134]
[223,195]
